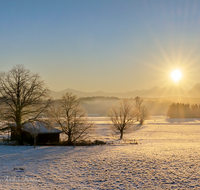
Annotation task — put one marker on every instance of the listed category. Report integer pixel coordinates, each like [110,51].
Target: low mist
[99,106]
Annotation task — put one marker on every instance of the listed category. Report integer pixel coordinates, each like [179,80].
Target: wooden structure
[44,134]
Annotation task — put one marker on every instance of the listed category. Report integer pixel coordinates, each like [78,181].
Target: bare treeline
[26,100]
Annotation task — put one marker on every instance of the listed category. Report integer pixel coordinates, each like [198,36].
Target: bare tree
[24,97]
[123,116]
[72,119]
[138,103]
[142,113]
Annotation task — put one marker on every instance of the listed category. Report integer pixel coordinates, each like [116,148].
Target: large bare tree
[72,118]
[24,97]
[123,116]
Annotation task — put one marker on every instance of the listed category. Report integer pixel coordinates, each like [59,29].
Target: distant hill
[154,92]
[59,94]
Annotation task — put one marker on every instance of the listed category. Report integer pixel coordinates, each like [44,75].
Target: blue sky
[104,45]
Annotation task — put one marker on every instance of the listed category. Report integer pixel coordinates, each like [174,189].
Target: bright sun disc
[176,75]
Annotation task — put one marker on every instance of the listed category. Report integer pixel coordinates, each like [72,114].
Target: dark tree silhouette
[72,119]
[142,113]
[138,104]
[24,97]
[123,116]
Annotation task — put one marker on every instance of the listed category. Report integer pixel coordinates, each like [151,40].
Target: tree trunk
[19,128]
[121,134]
[18,136]
[69,141]
[74,144]
[34,142]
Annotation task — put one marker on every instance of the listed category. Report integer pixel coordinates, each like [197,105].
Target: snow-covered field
[167,157]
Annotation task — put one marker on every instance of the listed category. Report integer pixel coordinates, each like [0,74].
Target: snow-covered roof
[40,128]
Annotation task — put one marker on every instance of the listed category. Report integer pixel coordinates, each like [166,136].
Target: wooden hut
[44,134]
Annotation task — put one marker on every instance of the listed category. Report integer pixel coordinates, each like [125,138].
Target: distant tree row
[180,110]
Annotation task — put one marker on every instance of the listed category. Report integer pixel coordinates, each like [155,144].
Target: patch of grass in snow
[123,142]
[78,143]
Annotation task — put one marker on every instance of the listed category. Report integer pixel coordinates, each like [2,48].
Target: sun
[176,75]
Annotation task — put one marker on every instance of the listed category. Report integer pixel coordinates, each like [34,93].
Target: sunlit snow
[166,157]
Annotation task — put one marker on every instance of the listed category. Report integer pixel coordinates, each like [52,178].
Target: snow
[167,157]
[40,128]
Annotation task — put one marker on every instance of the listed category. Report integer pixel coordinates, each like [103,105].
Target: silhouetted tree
[24,97]
[144,114]
[123,116]
[138,104]
[72,119]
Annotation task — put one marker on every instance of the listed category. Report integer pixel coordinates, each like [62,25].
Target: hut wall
[48,137]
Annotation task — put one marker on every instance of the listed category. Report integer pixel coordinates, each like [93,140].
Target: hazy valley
[155,92]
[156,99]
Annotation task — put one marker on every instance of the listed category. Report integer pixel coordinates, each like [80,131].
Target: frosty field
[167,157]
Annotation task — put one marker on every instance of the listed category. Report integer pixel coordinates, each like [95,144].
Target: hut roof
[40,128]
[36,126]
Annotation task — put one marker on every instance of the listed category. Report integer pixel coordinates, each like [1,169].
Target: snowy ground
[167,157]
